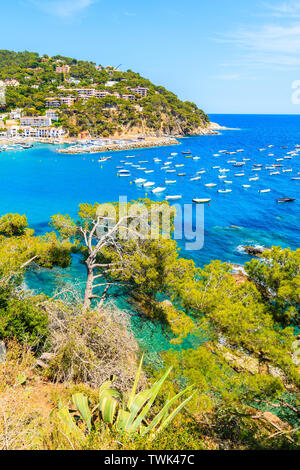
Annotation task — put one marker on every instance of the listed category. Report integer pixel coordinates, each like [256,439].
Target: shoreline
[114,143]
[119,146]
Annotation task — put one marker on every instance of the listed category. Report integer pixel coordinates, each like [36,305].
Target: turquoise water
[40,182]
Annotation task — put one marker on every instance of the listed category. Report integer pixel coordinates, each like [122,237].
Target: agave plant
[127,415]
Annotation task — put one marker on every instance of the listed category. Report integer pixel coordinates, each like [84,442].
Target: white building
[52,114]
[15,114]
[36,121]
[42,132]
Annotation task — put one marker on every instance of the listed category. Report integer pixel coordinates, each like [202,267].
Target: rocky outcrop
[255,250]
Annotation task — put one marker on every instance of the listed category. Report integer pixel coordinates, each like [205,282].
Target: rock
[2,352]
[254,250]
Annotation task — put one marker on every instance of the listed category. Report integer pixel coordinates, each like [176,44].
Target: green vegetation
[238,388]
[159,112]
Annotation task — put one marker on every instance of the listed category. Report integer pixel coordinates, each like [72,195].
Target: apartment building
[59,101]
[52,114]
[139,90]
[63,68]
[35,121]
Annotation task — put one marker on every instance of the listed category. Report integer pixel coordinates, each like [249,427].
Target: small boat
[179,166]
[170,181]
[149,171]
[210,185]
[148,184]
[264,190]
[140,181]
[288,170]
[227,182]
[221,177]
[201,201]
[186,153]
[286,199]
[296,178]
[173,198]
[158,190]
[224,191]
[254,179]
[239,174]
[181,174]
[275,173]
[195,178]
[246,185]
[123,173]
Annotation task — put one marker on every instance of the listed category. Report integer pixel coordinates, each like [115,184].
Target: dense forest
[159,112]
[72,375]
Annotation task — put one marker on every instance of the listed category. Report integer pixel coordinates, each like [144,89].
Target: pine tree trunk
[88,294]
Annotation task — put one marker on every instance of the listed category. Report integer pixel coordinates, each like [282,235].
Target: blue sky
[228,56]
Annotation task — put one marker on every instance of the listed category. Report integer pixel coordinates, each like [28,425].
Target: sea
[40,182]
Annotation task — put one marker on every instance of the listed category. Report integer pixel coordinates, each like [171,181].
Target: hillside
[100,99]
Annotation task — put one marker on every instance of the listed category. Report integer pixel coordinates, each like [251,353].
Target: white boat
[140,180]
[195,178]
[179,166]
[246,185]
[224,191]
[123,173]
[264,190]
[221,177]
[239,174]
[170,181]
[274,173]
[158,190]
[173,198]
[254,179]
[210,185]
[148,184]
[173,154]
[227,182]
[289,170]
[201,201]
[149,171]
[196,158]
